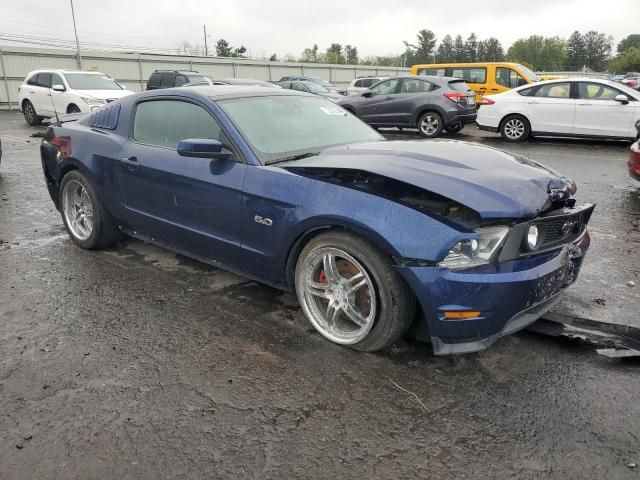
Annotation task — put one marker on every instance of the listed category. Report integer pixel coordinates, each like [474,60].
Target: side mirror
[204,148]
[623,99]
[58,88]
[367,94]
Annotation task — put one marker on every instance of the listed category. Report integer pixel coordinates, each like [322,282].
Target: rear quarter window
[154,79]
[33,80]
[528,92]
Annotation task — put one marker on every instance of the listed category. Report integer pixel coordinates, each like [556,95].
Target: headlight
[533,236]
[470,253]
[93,101]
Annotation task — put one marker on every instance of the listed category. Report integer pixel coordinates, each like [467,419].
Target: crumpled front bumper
[509,296]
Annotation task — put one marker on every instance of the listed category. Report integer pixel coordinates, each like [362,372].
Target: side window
[298,86]
[470,74]
[554,90]
[435,72]
[358,83]
[164,123]
[385,88]
[180,80]
[33,80]
[596,91]
[410,85]
[508,78]
[44,80]
[168,80]
[528,92]
[56,80]
[154,79]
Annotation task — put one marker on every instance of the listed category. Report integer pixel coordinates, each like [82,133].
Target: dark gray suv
[430,104]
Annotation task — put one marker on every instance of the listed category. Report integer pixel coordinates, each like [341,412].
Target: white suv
[362,84]
[71,92]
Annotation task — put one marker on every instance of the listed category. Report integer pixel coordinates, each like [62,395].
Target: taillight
[486,101]
[457,97]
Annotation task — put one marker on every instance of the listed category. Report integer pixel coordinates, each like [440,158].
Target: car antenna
[54,105]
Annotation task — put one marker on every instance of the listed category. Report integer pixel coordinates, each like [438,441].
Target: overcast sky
[286,27]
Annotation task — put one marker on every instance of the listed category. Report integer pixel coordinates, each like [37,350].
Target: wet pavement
[137,363]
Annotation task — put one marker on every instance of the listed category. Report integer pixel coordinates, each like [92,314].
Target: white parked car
[362,84]
[70,91]
[573,107]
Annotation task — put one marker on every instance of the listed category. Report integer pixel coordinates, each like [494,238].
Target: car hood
[104,94]
[494,183]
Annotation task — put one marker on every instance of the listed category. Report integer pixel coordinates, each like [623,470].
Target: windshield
[322,82]
[282,126]
[530,75]
[315,88]
[91,81]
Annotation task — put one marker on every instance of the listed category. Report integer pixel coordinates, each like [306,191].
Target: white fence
[134,69]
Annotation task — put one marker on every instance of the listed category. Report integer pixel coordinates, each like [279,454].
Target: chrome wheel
[30,113]
[429,125]
[78,210]
[337,295]
[514,128]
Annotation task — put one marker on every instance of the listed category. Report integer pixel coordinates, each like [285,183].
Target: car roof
[222,92]
[61,70]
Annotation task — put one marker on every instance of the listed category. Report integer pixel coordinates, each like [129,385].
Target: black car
[430,104]
[173,78]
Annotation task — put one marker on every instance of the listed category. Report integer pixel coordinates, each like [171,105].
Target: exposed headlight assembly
[93,101]
[471,253]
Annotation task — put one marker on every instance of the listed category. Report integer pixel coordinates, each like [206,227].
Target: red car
[634,156]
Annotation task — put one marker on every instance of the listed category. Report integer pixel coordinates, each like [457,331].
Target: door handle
[131,162]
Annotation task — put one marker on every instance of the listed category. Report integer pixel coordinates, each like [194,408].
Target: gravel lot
[137,363]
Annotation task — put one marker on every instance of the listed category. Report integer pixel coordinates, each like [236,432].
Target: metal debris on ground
[611,340]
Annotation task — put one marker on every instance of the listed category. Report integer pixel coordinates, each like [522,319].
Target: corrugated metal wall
[133,69]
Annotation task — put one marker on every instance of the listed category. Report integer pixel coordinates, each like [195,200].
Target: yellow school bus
[484,78]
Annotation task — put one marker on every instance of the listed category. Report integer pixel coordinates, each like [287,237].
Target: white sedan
[580,107]
[47,92]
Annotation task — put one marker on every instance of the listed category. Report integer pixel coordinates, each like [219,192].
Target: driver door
[597,113]
[378,108]
[188,204]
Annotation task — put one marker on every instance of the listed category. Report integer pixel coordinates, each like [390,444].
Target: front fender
[297,205]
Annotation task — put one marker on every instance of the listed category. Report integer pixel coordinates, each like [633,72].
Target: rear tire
[30,115]
[430,125]
[515,128]
[369,317]
[83,214]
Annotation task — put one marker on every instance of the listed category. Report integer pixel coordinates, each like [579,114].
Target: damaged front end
[526,250]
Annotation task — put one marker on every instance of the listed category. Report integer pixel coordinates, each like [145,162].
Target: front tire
[430,125]
[84,217]
[515,128]
[30,115]
[351,294]
[73,109]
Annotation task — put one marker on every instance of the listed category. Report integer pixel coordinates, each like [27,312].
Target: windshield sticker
[333,110]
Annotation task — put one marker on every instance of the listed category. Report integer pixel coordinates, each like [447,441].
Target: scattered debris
[632,465]
[631,283]
[37,135]
[612,340]
[19,446]
[600,301]
[28,436]
[411,393]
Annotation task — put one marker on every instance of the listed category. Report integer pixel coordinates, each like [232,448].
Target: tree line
[591,50]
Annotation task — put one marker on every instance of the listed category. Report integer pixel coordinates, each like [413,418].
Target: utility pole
[206,50]
[75,31]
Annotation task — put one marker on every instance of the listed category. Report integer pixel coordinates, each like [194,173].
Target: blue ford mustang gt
[467,242]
